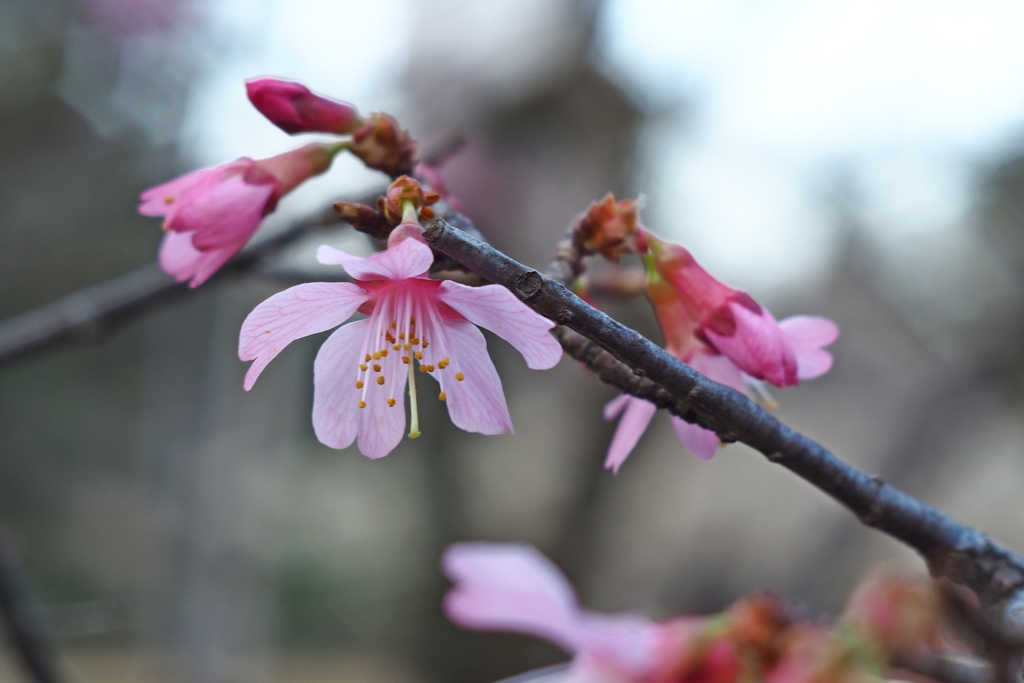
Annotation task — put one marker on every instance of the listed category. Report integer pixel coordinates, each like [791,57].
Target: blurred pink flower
[637,414]
[294,108]
[738,327]
[361,371]
[210,214]
[512,587]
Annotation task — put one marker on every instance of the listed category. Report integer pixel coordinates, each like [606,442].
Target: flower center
[405,330]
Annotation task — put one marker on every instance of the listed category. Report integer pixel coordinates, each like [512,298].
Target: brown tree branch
[951,549]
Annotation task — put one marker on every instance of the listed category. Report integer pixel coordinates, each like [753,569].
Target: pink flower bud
[210,214]
[294,108]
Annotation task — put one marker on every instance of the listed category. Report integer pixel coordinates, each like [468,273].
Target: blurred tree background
[179,529]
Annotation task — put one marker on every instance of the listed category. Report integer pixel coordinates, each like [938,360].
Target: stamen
[443,396]
[384,352]
[359,384]
[459,376]
[419,355]
[425,343]
[405,359]
[391,403]
[380,379]
[376,355]
[362,366]
[367,359]
[362,404]
[393,325]
[396,347]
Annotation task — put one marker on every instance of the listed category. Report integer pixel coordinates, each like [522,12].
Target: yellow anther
[362,366]
[384,352]
[402,336]
[419,355]
[376,368]
[390,337]
[443,363]
[393,325]
[396,347]
[367,359]
[391,403]
[415,341]
[405,346]
[425,343]
[168,199]
[362,404]
[380,379]
[459,376]
[359,384]
[442,396]
[405,359]
[430,368]
[412,320]
[423,368]
[376,355]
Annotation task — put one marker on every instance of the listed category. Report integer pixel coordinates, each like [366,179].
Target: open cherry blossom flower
[210,214]
[738,327]
[361,371]
[513,587]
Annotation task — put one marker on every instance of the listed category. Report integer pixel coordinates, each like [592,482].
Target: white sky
[780,99]
[903,97]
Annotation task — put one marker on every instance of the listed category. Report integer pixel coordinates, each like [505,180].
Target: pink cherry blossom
[210,214]
[361,371]
[513,587]
[294,108]
[740,328]
[637,414]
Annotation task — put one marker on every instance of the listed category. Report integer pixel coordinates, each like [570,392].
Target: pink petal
[227,213]
[495,308]
[292,314]
[337,418]
[719,369]
[631,427]
[511,587]
[616,406]
[625,642]
[808,335]
[810,332]
[407,259]
[477,403]
[812,363]
[701,442]
[155,199]
[758,346]
[182,261]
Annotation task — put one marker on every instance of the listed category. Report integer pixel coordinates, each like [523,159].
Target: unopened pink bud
[294,108]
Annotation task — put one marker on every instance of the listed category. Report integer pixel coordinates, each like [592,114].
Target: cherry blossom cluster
[414,327]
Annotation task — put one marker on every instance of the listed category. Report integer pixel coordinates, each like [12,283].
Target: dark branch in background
[620,355]
[93,311]
[89,312]
[25,627]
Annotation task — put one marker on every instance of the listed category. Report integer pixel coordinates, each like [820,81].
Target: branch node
[564,317]
[528,284]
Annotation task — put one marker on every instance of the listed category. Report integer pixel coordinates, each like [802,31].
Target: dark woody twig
[24,625]
[951,549]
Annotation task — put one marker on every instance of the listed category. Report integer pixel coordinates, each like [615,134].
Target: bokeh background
[858,159]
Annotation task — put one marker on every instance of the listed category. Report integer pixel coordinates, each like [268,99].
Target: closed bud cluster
[383,145]
[608,227]
[405,190]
